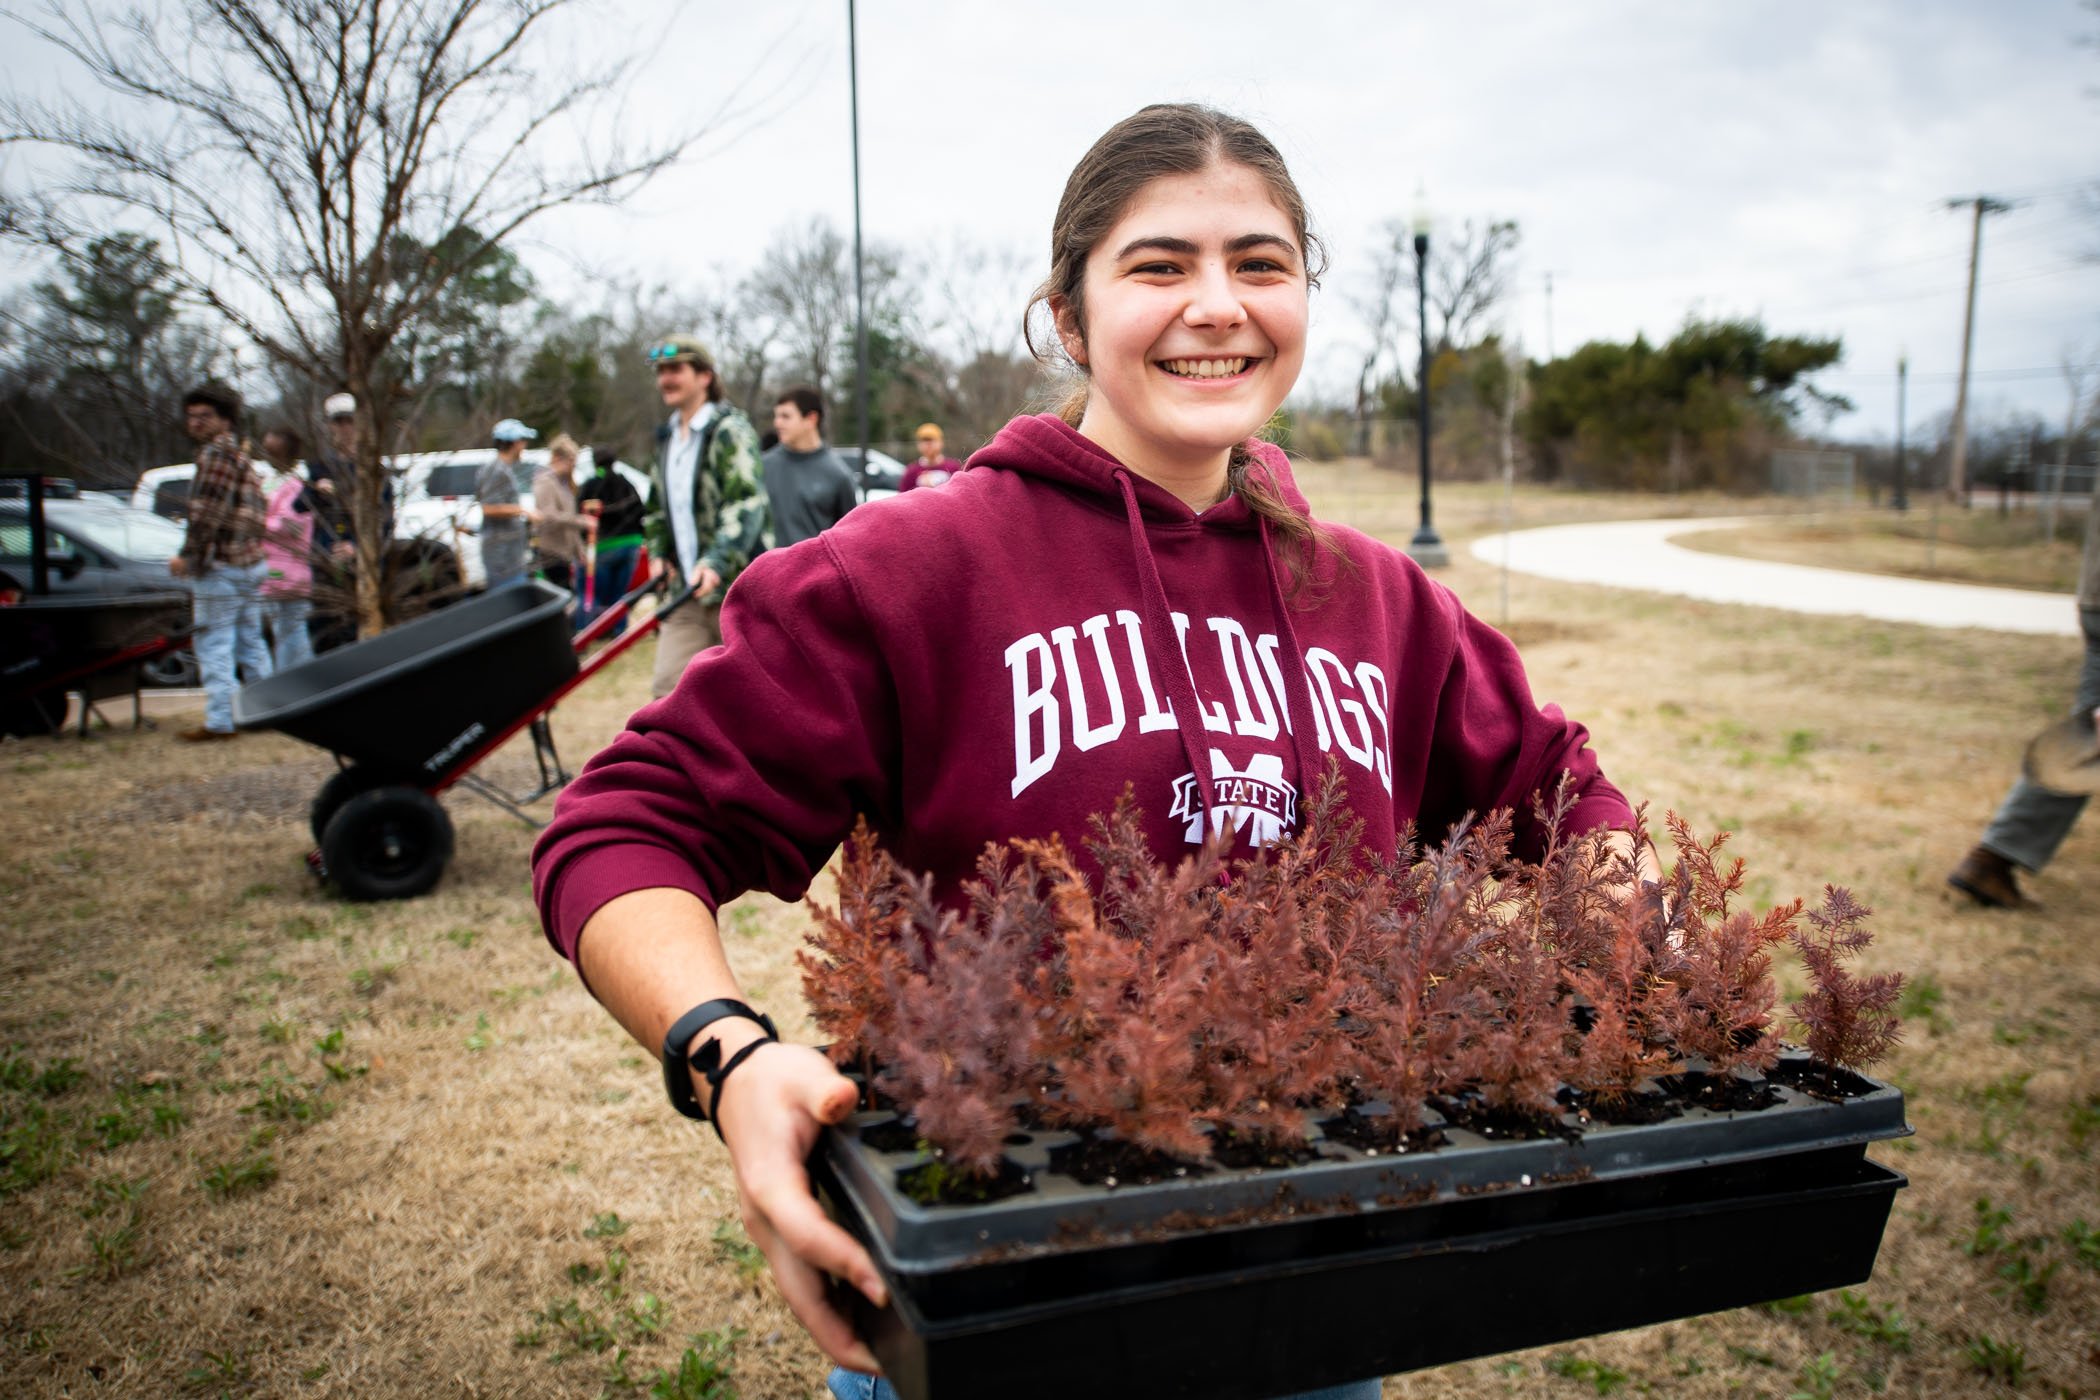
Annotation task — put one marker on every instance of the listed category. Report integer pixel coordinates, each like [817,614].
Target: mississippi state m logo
[1257,803]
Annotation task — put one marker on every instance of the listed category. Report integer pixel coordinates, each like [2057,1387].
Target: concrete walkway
[1638,554]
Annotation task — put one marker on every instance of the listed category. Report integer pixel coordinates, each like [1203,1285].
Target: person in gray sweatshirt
[2033,820]
[808,487]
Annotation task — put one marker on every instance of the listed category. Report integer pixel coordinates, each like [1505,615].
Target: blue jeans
[608,582]
[852,1385]
[292,644]
[2033,821]
[229,637]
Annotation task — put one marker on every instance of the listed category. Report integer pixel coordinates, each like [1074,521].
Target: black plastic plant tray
[1283,1306]
[1061,1212]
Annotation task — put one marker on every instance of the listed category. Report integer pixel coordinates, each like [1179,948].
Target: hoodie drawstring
[1297,691]
[1181,688]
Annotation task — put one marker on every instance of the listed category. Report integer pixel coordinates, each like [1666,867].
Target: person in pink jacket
[288,543]
[1128,592]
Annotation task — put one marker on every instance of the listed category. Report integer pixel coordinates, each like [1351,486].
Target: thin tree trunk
[368,496]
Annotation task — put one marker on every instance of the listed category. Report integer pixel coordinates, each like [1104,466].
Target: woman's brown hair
[1157,141]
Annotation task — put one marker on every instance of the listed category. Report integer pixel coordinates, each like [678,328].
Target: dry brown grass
[152,902]
[1958,546]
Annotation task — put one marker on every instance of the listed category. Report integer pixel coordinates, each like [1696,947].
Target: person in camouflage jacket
[708,513]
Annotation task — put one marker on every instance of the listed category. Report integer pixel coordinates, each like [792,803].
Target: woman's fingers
[804,1289]
[793,1214]
[771,1115]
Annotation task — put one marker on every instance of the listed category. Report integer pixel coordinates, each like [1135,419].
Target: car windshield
[451,479]
[119,530]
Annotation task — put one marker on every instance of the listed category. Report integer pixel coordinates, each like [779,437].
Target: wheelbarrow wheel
[387,843]
[342,785]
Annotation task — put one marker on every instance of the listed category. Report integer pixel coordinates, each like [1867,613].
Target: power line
[1931,293]
[2037,373]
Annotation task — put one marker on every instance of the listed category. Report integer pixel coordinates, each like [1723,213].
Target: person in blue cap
[506,521]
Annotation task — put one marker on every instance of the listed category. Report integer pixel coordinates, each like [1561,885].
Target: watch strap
[707,1060]
[678,1080]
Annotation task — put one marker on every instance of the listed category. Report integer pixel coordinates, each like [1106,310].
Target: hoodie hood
[1048,448]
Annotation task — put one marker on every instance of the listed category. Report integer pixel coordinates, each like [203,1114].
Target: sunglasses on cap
[668,352]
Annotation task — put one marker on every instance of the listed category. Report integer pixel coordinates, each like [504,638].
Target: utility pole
[1902,497]
[860,295]
[1549,318]
[1957,468]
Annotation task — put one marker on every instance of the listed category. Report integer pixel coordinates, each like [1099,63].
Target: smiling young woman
[1191,326]
[1129,594]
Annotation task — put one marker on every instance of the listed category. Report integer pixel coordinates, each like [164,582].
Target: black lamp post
[1427,547]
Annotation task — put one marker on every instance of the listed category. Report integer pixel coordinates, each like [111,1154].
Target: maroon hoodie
[999,658]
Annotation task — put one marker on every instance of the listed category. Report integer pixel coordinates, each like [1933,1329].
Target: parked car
[165,491]
[881,476]
[56,488]
[97,548]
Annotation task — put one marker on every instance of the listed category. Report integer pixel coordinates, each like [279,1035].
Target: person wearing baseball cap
[506,521]
[333,476]
[932,466]
[708,513]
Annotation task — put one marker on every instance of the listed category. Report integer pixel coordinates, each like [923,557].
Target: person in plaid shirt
[222,557]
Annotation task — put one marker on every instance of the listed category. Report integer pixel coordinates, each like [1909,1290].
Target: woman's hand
[1647,869]
[771,1111]
[649,954]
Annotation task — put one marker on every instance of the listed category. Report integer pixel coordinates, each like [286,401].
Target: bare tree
[1375,306]
[1468,278]
[94,363]
[2077,372]
[288,151]
[803,292]
[971,302]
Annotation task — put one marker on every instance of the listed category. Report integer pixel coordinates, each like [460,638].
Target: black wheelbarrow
[54,641]
[50,646]
[410,712]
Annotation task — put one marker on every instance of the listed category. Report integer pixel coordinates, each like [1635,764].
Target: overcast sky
[1790,160]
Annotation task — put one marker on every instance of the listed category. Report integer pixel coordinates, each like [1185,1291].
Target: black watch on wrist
[707,1060]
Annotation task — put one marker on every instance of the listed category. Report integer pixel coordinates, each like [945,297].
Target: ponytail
[1300,539]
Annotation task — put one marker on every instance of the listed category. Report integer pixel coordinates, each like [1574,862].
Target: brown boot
[1987,877]
[201,735]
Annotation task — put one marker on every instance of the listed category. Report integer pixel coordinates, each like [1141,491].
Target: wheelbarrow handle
[603,622]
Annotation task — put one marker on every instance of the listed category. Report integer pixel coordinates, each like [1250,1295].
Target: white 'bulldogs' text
[1076,686]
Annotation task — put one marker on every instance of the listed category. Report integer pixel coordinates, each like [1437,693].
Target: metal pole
[1957,468]
[860,293]
[1902,501]
[1549,318]
[1426,548]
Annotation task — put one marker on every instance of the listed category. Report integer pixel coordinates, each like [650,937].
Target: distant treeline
[96,359]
